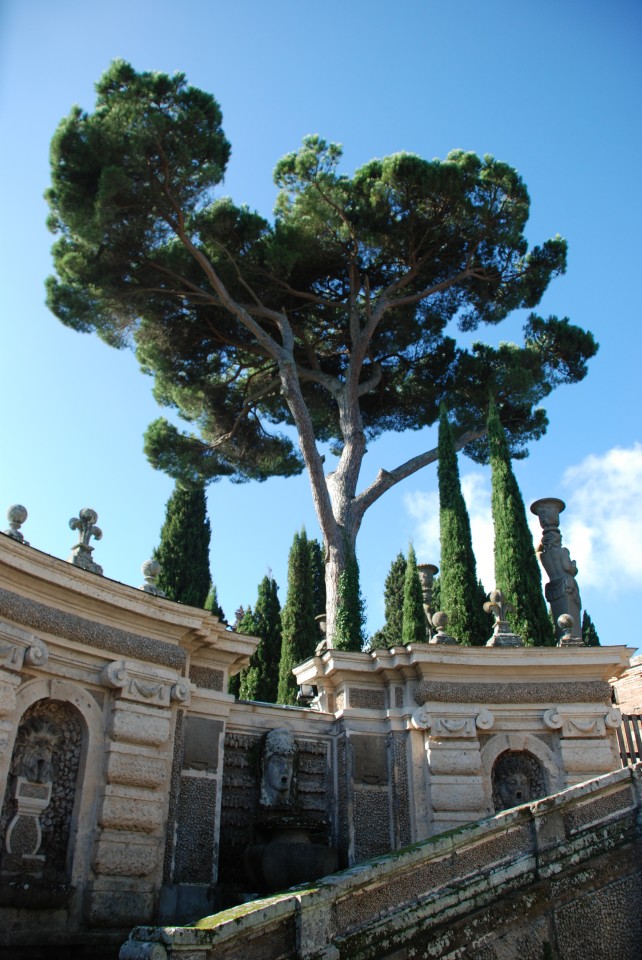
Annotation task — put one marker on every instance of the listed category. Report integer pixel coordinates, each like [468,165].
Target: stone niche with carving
[38,805]
[517,778]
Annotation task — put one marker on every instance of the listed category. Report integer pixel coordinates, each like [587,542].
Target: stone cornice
[60,623]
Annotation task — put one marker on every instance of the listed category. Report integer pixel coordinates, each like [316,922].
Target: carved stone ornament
[440,623]
[151,571]
[577,727]
[277,770]
[500,608]
[142,950]
[552,719]
[562,591]
[16,515]
[85,524]
[143,689]
[613,719]
[14,655]
[567,633]
[451,727]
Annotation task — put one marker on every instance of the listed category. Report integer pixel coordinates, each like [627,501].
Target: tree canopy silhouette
[338,317]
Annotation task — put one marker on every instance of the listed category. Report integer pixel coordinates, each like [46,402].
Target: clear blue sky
[553,88]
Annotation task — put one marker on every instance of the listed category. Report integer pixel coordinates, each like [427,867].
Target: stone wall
[559,878]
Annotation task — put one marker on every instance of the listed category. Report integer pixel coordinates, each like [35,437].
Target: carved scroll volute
[115,675]
[552,719]
[421,719]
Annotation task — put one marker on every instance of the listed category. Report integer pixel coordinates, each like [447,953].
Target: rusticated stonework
[206,678]
[578,691]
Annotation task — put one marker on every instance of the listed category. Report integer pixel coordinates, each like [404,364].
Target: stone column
[455,783]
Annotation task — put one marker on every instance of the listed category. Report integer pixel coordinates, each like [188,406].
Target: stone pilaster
[127,858]
[453,756]
[587,742]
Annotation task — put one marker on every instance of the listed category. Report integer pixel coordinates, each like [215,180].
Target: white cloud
[602,524]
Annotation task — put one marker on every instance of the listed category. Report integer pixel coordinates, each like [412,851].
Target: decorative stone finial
[566,624]
[151,571]
[562,591]
[440,622]
[81,553]
[16,515]
[427,572]
[500,608]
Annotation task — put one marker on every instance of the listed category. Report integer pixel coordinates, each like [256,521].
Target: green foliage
[184,549]
[414,620]
[145,255]
[212,603]
[317,563]
[300,634]
[351,615]
[459,584]
[390,634]
[260,680]
[589,633]
[517,572]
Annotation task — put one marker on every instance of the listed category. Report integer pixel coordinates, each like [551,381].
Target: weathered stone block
[126,854]
[131,813]
[135,770]
[136,727]
[458,796]
[459,761]
[119,907]
[592,757]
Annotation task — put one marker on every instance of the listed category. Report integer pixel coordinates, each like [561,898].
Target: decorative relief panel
[452,726]
[574,726]
[134,685]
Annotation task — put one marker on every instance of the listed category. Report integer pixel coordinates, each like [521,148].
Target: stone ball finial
[16,515]
[151,569]
[440,620]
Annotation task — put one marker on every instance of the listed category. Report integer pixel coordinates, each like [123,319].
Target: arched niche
[76,718]
[539,769]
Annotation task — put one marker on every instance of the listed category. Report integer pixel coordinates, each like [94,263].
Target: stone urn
[286,855]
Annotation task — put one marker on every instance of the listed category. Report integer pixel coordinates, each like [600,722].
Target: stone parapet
[557,859]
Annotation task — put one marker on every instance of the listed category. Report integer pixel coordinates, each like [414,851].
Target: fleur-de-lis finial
[85,524]
[16,515]
[500,608]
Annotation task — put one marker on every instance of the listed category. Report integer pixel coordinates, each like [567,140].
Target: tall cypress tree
[300,634]
[184,549]
[260,680]
[459,586]
[517,572]
[212,603]
[351,615]
[317,564]
[414,620]
[589,633]
[390,634]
